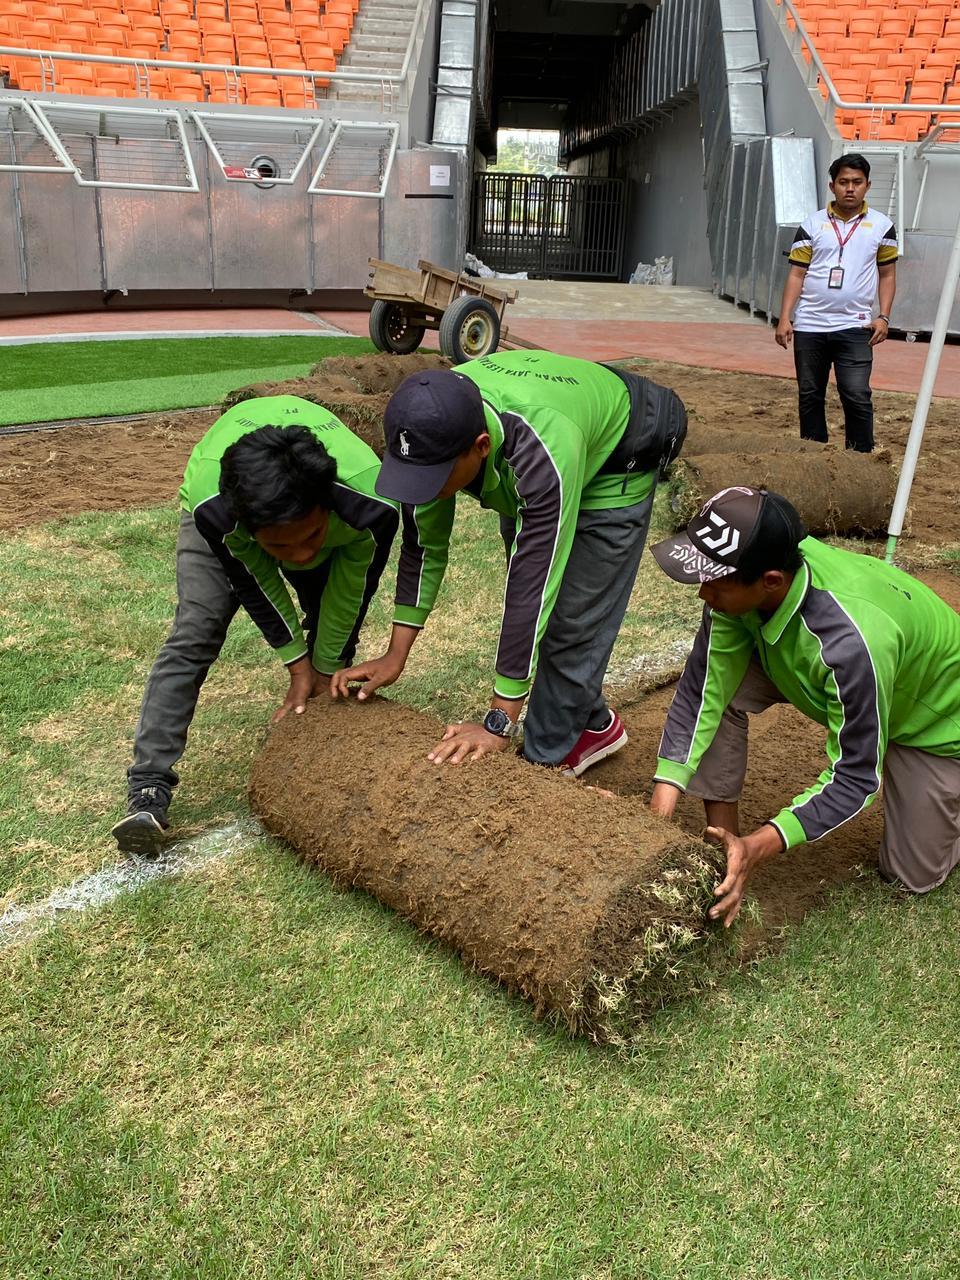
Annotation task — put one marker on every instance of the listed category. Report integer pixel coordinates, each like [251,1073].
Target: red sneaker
[595,745]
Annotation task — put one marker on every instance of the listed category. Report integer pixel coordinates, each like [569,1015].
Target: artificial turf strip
[44,382]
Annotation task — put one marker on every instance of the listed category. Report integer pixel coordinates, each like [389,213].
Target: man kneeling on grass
[277,488]
[859,646]
[567,452]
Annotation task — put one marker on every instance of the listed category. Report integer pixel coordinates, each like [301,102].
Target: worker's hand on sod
[305,683]
[378,672]
[744,855]
[466,741]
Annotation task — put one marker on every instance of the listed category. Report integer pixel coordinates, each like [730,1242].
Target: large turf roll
[835,490]
[587,905]
[704,439]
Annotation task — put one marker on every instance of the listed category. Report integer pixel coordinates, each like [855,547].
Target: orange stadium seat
[895,24]
[75,78]
[219,49]
[115,82]
[283,49]
[185,86]
[247,29]
[252,52]
[244,13]
[927,87]
[210,9]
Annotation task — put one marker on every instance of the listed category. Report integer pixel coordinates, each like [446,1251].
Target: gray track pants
[921,792]
[567,694]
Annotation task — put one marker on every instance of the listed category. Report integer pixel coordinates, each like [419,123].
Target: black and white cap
[738,529]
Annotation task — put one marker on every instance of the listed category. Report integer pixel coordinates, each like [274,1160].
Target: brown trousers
[921,792]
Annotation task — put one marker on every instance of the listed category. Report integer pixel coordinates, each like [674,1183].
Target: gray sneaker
[140,833]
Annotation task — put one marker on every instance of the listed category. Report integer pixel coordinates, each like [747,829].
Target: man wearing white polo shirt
[843,259]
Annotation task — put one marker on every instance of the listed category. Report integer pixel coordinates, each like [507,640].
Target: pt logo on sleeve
[723,539]
[404,445]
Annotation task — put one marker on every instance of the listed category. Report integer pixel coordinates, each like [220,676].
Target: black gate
[549,227]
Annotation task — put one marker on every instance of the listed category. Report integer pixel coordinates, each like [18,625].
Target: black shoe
[140,833]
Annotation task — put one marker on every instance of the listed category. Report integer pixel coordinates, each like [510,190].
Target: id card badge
[835,279]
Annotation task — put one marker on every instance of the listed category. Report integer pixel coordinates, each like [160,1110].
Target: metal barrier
[560,226]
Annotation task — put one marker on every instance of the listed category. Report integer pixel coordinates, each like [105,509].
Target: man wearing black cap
[567,452]
[857,645]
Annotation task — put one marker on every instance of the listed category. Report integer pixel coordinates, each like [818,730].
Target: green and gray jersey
[857,645]
[553,422]
[360,533]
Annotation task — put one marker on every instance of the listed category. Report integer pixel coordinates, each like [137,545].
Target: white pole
[924,396]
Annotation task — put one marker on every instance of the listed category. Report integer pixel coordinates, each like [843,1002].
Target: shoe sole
[139,838]
[610,749]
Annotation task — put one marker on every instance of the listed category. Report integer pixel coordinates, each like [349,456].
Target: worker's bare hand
[305,683]
[880,332]
[744,855]
[373,675]
[784,334]
[466,741]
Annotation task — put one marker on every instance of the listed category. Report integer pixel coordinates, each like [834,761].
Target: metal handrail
[950,108]
[204,67]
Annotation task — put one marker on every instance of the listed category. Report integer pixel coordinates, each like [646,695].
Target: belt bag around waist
[655,430]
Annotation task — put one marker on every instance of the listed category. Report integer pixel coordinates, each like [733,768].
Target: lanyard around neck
[843,241]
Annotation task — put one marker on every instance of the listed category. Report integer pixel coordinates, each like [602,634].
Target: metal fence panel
[560,226]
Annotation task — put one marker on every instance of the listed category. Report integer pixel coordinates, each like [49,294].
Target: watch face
[496,721]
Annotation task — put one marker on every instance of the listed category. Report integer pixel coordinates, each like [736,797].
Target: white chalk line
[90,892]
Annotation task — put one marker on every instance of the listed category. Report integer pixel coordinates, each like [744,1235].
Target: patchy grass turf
[246,1073]
[43,382]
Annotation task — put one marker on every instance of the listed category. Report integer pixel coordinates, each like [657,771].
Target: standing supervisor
[567,452]
[843,258]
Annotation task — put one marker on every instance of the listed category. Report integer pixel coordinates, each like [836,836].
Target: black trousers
[851,355]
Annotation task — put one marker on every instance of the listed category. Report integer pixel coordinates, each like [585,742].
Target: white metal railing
[800,36]
[354,155]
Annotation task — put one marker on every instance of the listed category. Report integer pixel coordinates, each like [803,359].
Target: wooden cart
[467,311]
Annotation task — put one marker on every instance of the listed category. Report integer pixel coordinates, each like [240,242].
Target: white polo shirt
[816,247]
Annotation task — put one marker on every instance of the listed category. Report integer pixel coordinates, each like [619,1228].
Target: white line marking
[18,924]
[139,335]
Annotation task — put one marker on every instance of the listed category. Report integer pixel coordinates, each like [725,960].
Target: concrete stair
[377,44]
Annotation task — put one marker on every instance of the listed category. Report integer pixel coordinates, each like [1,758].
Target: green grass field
[45,382]
[243,1073]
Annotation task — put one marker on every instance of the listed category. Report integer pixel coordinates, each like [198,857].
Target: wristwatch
[497,721]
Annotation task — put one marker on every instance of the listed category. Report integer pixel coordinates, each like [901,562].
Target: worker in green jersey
[857,645]
[567,452]
[278,493]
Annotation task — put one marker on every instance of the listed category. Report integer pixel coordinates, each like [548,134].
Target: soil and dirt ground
[48,475]
[51,474]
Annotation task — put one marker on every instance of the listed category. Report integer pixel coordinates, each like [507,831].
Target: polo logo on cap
[722,543]
[404,445]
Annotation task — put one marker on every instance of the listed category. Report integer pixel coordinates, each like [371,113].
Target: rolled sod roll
[588,905]
[835,490]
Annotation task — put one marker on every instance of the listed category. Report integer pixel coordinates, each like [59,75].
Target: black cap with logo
[431,419]
[737,530]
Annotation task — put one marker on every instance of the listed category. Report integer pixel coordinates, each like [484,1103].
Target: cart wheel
[469,329]
[391,330]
